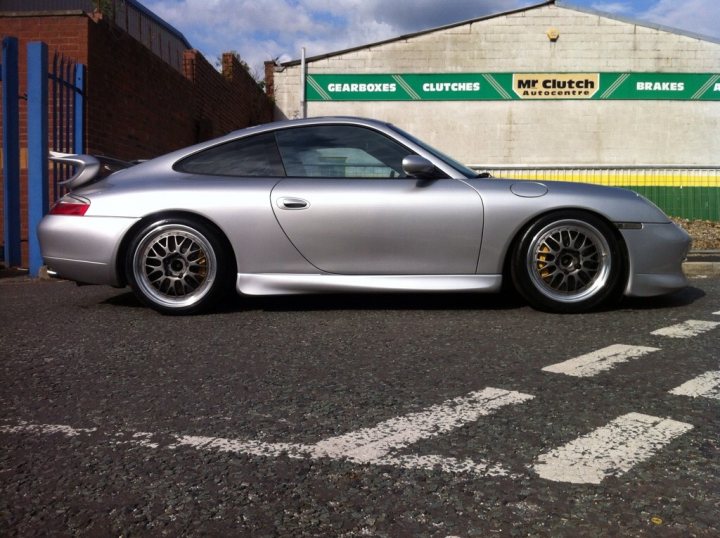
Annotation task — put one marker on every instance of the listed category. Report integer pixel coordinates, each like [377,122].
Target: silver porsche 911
[350,205]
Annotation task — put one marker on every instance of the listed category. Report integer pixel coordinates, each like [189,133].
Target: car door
[348,208]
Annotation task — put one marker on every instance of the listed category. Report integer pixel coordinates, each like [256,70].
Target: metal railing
[691,192]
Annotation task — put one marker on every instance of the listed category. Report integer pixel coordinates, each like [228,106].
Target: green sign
[513,86]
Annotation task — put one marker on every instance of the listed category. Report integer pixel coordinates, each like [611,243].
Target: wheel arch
[520,233]
[147,219]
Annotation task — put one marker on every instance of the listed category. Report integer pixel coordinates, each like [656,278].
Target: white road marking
[609,451]
[445,464]
[717,313]
[687,329]
[299,451]
[373,446]
[238,446]
[598,361]
[369,444]
[26,427]
[143,439]
[706,385]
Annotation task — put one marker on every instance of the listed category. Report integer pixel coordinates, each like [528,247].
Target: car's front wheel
[177,266]
[569,261]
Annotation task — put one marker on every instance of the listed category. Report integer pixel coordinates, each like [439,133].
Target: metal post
[79,109]
[11,151]
[303,82]
[37,148]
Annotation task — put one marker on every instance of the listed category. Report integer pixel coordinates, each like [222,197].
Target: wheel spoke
[568,260]
[174,265]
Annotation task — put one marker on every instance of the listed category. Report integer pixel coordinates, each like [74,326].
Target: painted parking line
[369,444]
[687,329]
[706,385]
[376,446]
[245,447]
[379,445]
[445,464]
[611,450]
[478,468]
[598,361]
[46,429]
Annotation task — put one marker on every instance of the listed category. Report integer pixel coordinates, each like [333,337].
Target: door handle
[292,203]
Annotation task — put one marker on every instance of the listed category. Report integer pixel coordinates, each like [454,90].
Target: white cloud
[264,29]
[699,16]
[619,8]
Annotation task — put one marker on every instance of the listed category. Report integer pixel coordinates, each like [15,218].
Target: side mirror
[419,167]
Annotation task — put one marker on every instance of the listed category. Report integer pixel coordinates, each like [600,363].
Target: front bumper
[656,254]
[83,249]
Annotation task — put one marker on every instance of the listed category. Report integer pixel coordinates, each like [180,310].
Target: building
[546,84]
[147,91]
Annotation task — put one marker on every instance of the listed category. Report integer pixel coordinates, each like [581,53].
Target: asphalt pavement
[387,415]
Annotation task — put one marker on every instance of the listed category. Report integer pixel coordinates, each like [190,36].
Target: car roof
[320,120]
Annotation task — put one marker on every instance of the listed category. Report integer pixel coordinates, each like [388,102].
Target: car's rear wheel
[568,261]
[177,266]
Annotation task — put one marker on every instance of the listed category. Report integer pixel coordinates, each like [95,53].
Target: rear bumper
[83,249]
[656,253]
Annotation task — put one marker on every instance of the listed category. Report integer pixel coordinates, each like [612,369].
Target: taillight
[72,207]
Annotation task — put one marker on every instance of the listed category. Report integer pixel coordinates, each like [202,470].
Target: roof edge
[558,3]
[52,13]
[636,22]
[292,63]
[159,20]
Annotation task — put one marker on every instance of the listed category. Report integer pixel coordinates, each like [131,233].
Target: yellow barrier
[688,192]
[615,177]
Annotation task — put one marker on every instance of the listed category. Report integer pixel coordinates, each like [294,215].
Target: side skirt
[292,284]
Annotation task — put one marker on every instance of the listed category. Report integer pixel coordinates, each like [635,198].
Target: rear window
[255,156]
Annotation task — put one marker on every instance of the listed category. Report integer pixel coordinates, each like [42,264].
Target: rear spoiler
[88,168]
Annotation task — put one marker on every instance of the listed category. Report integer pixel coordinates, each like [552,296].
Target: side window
[256,156]
[337,151]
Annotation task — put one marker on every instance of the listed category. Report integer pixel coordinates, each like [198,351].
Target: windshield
[464,170]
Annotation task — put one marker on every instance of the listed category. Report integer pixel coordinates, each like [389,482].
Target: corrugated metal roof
[161,22]
[39,6]
[18,6]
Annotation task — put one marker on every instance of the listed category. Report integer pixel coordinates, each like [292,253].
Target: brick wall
[66,33]
[537,132]
[138,106]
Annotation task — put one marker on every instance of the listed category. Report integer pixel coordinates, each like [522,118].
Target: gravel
[705,233]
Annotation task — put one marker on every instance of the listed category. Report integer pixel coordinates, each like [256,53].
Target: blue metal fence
[67,81]
[57,95]
[11,152]
[37,93]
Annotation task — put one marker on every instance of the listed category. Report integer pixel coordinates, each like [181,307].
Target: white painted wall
[537,132]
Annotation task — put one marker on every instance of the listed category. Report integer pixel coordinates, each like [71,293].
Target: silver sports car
[350,205]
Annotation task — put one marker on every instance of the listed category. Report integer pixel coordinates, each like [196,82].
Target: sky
[261,30]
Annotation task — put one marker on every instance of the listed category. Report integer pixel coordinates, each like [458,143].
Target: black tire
[568,262]
[178,265]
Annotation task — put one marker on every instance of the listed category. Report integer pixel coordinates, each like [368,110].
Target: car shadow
[507,300]
[684,297]
[383,301]
[374,301]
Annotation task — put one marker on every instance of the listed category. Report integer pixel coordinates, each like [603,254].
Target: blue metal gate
[57,95]
[11,152]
